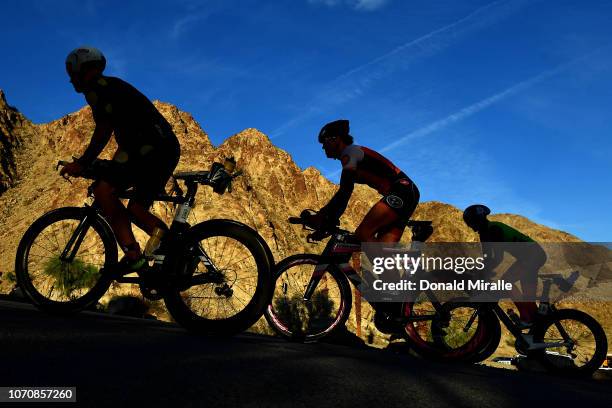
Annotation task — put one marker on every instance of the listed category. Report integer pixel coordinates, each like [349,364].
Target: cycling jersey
[500,232]
[365,166]
[528,253]
[370,168]
[140,130]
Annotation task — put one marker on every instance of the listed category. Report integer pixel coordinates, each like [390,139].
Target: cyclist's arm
[494,256]
[336,206]
[99,140]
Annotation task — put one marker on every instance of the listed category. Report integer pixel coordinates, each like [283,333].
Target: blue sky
[501,102]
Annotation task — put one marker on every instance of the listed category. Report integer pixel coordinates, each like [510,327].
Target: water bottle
[154,242]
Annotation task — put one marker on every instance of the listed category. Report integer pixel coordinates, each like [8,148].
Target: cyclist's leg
[143,218]
[385,223]
[521,272]
[150,182]
[118,218]
[378,219]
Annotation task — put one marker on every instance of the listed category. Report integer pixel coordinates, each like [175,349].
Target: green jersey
[500,232]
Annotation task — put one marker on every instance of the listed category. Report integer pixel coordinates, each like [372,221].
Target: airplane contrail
[426,45]
[482,104]
[423,38]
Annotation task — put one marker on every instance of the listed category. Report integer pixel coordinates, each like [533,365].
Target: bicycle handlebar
[317,234]
[218,178]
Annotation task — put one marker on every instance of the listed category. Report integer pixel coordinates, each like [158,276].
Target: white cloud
[363,5]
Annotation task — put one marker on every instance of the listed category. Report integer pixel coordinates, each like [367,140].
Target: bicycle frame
[178,228]
[518,333]
[336,254]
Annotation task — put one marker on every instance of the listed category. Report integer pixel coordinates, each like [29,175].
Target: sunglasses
[328,139]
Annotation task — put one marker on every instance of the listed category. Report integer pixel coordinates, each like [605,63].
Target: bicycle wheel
[585,343]
[296,319]
[457,332]
[60,257]
[229,279]
[473,331]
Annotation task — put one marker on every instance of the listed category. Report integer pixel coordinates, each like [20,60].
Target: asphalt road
[117,362]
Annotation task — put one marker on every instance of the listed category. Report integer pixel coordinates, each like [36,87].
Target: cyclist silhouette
[400,196]
[529,258]
[147,153]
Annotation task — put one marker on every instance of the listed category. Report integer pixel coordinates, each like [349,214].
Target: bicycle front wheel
[228,279]
[60,258]
[296,319]
[582,342]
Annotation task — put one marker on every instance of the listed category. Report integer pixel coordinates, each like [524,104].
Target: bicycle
[567,341]
[214,277]
[319,286]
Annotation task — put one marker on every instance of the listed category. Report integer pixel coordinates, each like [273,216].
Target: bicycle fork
[319,271]
[76,239]
[527,339]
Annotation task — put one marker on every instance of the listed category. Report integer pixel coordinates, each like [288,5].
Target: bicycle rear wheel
[584,342]
[296,319]
[60,257]
[228,279]
[458,331]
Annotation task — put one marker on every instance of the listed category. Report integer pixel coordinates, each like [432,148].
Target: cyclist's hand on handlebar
[317,221]
[320,221]
[73,169]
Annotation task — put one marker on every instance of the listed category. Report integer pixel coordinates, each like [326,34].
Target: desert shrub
[71,276]
[302,317]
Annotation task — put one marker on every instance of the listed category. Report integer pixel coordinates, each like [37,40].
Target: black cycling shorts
[402,198]
[146,177]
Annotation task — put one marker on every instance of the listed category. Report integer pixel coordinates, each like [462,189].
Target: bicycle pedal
[152,288]
[151,293]
[389,324]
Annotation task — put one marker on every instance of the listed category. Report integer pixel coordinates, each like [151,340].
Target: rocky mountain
[272,188]
[15,130]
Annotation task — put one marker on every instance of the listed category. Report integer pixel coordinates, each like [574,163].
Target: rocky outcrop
[14,130]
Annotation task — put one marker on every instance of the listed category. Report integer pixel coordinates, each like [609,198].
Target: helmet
[339,128]
[475,212]
[83,57]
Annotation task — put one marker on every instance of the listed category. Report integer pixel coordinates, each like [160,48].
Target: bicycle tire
[561,364]
[433,344]
[293,273]
[53,266]
[485,339]
[182,302]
